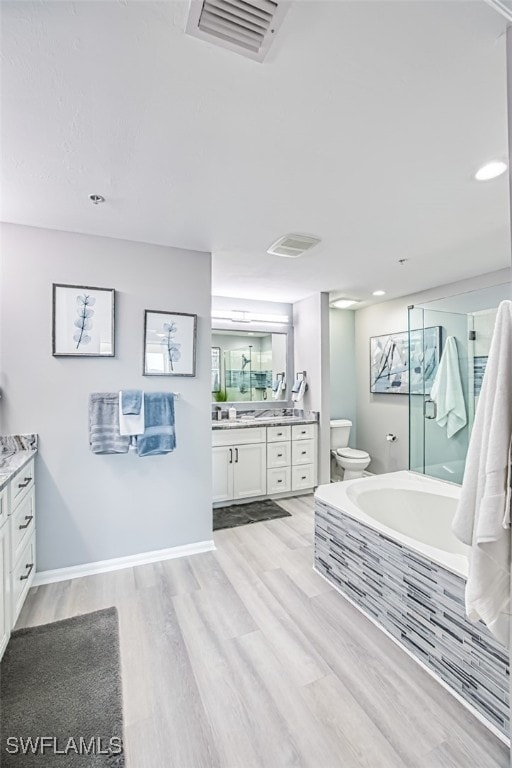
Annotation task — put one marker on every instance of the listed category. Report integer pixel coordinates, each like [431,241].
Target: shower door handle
[429,409]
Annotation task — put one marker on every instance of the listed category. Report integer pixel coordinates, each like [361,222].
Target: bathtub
[385,542]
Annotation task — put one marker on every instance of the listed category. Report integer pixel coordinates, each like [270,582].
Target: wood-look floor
[245,658]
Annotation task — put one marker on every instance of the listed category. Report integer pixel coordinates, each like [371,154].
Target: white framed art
[169,343]
[83,321]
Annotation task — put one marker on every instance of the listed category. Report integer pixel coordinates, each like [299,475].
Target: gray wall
[379,414]
[311,354]
[342,357]
[93,507]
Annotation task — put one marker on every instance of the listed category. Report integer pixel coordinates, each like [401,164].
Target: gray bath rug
[60,695]
[243,514]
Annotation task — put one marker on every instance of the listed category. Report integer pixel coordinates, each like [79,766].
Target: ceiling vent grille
[245,26]
[292,246]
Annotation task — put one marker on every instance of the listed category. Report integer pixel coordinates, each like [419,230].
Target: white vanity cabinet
[5,584]
[239,463]
[291,458]
[263,461]
[22,544]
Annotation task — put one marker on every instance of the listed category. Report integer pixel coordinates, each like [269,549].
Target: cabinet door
[250,470]
[223,458]
[5,589]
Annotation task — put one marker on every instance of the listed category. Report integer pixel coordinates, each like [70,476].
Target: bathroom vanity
[255,458]
[17,528]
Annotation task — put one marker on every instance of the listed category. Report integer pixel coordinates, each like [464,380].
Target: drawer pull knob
[279,455]
[29,566]
[279,481]
[303,432]
[303,453]
[24,484]
[29,519]
[303,477]
[279,434]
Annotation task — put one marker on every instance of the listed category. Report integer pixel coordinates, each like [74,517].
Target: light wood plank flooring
[245,658]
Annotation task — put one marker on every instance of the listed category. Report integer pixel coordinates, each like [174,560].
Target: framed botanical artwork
[169,343]
[83,321]
[405,362]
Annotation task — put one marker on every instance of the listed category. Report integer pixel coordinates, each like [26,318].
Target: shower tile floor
[246,658]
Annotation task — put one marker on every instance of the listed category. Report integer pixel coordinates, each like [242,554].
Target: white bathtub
[412,509]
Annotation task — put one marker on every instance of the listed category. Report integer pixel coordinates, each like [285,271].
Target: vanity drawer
[22,577]
[22,525]
[278,455]
[303,452]
[303,477]
[22,484]
[276,434]
[238,436]
[303,431]
[278,480]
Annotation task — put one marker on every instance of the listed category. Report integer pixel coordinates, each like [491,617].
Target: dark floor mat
[244,514]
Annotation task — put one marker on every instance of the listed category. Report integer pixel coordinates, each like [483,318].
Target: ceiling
[364,126]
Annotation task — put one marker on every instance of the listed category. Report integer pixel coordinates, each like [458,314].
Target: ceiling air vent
[292,246]
[244,26]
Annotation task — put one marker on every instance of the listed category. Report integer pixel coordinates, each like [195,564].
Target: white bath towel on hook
[447,392]
[482,519]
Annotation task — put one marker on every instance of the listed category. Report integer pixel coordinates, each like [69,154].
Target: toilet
[347,463]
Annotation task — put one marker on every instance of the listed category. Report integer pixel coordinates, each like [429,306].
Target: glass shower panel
[416,398]
[431,450]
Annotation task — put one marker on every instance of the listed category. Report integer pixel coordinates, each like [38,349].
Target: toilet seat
[352,453]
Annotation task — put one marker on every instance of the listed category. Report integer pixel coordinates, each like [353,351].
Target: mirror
[245,365]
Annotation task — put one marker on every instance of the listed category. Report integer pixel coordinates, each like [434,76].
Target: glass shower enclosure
[469,318]
[431,451]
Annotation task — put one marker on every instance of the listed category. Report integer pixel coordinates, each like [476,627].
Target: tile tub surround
[420,604]
[15,452]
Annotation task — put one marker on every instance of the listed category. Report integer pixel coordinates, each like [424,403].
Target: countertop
[277,421]
[11,465]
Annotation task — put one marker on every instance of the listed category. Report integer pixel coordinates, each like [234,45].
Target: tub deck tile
[420,603]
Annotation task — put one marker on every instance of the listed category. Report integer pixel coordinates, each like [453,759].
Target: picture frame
[83,321]
[406,362]
[216,370]
[169,343]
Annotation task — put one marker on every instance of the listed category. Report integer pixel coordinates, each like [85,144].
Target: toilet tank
[340,432]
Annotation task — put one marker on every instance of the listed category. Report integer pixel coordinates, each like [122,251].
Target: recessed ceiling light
[379,293]
[491,170]
[343,303]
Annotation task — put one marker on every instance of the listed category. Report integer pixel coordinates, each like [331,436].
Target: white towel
[482,519]
[130,424]
[447,391]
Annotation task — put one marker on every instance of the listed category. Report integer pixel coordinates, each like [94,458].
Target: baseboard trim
[118,563]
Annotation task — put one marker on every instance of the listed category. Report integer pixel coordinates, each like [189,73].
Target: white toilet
[349,463]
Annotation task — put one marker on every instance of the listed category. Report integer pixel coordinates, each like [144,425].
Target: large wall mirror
[246,364]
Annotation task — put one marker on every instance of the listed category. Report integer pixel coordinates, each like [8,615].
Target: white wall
[342,357]
[379,414]
[94,507]
[311,354]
